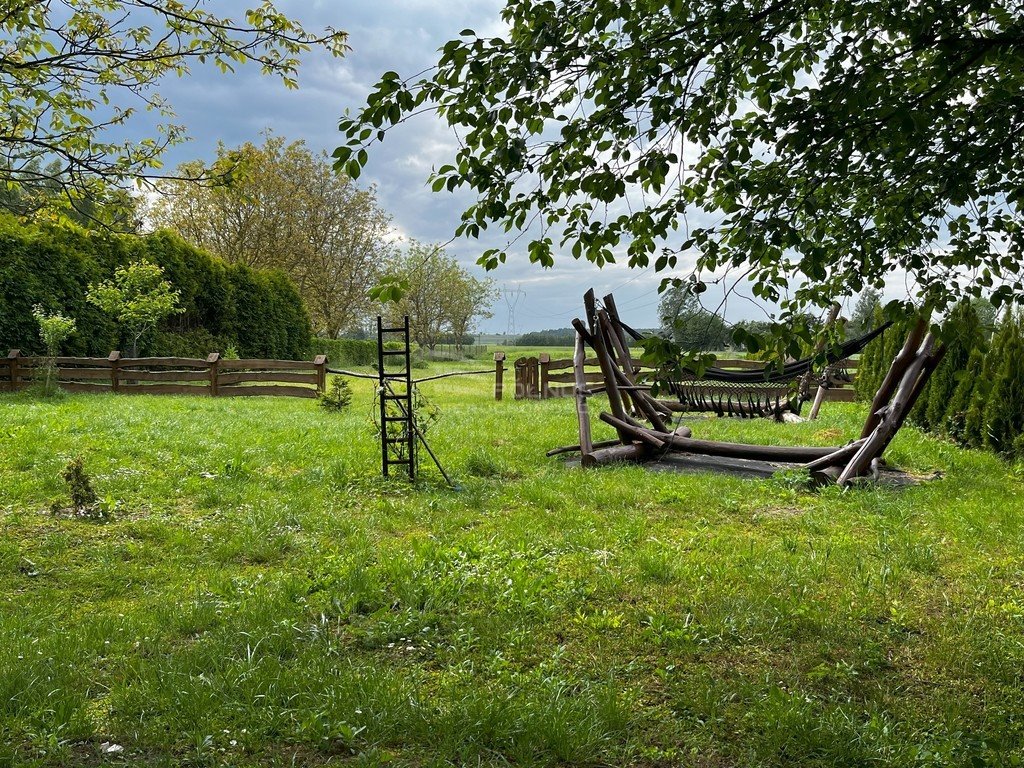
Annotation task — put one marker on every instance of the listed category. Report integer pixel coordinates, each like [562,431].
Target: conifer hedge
[976,395]
[258,313]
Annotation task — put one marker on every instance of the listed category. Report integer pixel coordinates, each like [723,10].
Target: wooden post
[520,370]
[213,361]
[891,415]
[545,362]
[579,357]
[115,379]
[819,396]
[499,374]
[12,368]
[320,361]
[893,377]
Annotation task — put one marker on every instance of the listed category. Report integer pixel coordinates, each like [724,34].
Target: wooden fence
[213,376]
[540,378]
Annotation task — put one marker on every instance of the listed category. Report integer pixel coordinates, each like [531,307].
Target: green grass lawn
[262,597]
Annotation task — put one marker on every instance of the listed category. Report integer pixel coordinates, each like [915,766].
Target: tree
[469,299]
[833,142]
[75,73]
[54,328]
[863,319]
[439,296]
[138,298]
[285,208]
[688,323]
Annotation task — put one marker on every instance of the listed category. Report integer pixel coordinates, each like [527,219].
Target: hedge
[259,313]
[976,395]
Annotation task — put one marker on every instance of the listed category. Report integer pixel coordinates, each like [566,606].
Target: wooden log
[320,362]
[895,373]
[616,454]
[839,457]
[266,365]
[114,358]
[819,396]
[89,362]
[582,412]
[13,366]
[544,360]
[161,376]
[499,375]
[267,377]
[213,360]
[637,432]
[625,377]
[746,451]
[578,448]
[67,374]
[163,362]
[611,387]
[891,416]
[622,344]
[590,307]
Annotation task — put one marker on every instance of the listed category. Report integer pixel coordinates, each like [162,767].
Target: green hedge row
[346,351]
[976,395]
[258,313]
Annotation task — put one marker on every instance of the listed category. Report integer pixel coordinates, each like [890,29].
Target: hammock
[760,392]
[789,372]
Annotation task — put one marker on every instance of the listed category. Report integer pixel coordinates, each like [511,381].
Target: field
[262,597]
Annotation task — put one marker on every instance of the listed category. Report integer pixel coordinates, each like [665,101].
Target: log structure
[642,422]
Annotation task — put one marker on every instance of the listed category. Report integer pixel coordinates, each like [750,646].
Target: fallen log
[578,448]
[617,454]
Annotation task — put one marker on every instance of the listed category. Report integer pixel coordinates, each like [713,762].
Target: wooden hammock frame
[643,423]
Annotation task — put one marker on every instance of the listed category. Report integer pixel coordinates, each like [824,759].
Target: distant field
[263,598]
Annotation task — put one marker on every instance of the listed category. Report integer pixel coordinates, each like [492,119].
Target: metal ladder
[394,387]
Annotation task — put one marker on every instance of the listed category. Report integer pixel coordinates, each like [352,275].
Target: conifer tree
[954,422]
[1004,411]
[962,333]
[975,426]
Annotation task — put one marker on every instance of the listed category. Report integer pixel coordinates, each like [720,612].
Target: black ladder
[394,388]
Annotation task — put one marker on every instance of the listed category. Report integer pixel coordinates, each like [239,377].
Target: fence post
[320,361]
[545,361]
[115,375]
[499,374]
[522,379]
[213,361]
[12,368]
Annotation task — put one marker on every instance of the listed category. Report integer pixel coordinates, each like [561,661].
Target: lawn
[262,597]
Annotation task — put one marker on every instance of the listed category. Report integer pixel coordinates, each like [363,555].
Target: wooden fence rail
[540,378]
[213,376]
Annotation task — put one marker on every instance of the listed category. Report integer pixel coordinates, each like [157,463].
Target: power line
[512,297]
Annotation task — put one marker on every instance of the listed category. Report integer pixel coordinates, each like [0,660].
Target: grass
[261,597]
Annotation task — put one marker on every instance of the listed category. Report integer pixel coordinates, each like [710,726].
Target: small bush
[84,501]
[337,397]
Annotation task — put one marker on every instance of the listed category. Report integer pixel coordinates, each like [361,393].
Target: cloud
[400,35]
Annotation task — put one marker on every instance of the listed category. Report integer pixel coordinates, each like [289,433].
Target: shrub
[346,351]
[84,501]
[53,330]
[1004,411]
[259,312]
[337,397]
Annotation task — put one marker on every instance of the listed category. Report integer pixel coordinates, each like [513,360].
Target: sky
[400,35]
